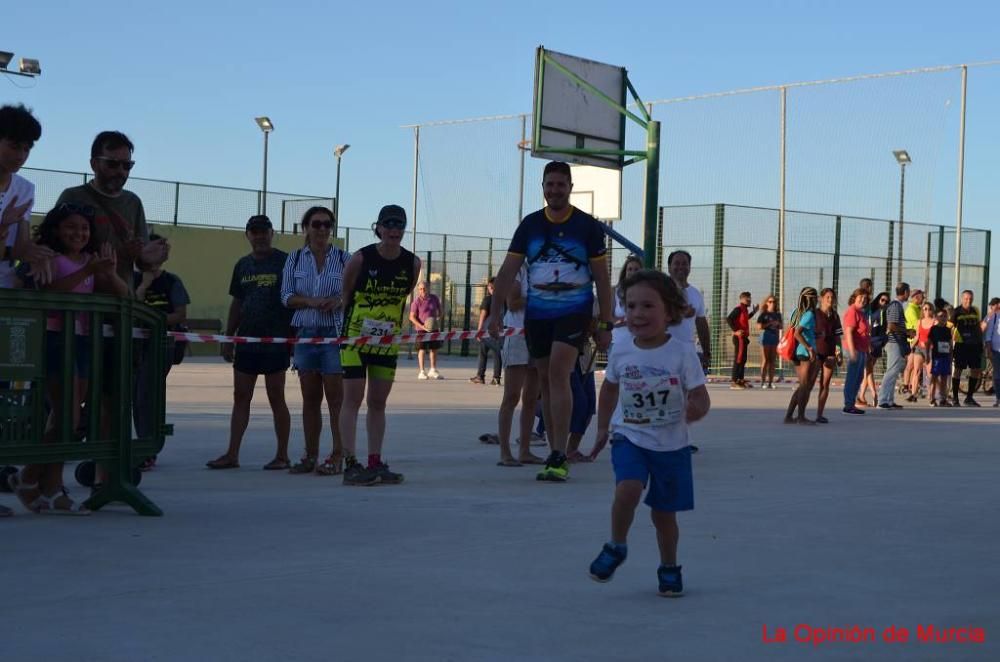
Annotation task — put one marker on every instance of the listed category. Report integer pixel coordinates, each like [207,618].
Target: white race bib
[944,347]
[657,401]
[377,328]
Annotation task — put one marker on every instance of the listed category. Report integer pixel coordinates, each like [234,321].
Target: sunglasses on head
[326,225]
[124,164]
[83,210]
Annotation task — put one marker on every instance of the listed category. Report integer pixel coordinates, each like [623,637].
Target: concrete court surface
[890,519]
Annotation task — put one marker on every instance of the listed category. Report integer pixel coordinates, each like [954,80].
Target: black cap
[392,212]
[259,222]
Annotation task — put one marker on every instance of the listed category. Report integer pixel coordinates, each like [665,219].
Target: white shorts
[515,351]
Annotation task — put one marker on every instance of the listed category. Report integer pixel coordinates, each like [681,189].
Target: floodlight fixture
[30,67]
[5,58]
[902,156]
[265,124]
[339,150]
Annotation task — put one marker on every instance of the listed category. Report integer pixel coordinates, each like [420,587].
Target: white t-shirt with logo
[686,331]
[652,393]
[22,191]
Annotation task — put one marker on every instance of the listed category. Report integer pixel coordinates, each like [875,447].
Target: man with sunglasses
[119,215]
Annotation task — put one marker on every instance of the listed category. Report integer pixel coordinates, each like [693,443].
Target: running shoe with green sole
[556,468]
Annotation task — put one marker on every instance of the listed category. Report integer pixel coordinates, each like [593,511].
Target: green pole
[652,194]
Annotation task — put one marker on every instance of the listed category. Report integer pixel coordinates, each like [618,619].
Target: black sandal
[304,466]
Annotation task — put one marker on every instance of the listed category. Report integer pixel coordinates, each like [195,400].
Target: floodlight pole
[652,193]
[781,209]
[416,178]
[961,187]
[902,188]
[520,148]
[263,196]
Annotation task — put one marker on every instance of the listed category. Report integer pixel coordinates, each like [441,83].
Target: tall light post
[338,151]
[27,67]
[903,158]
[267,126]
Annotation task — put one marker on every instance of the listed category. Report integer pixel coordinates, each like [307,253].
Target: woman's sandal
[304,466]
[332,466]
[277,465]
[62,504]
[36,505]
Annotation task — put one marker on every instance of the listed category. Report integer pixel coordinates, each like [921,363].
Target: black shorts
[261,363]
[968,355]
[571,330]
[430,344]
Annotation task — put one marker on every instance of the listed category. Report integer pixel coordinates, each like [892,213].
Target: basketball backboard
[597,191]
[569,115]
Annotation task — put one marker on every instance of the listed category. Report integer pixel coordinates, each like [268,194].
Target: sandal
[223,462]
[36,505]
[489,438]
[332,466]
[304,466]
[277,465]
[62,504]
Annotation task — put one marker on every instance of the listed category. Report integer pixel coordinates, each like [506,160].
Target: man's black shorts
[571,330]
[261,363]
[968,355]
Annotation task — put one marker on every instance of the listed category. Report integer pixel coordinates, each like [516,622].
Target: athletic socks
[954,387]
[374,459]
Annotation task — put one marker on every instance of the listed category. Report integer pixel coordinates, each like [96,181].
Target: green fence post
[836,256]
[467,321]
[986,276]
[177,201]
[659,241]
[888,260]
[489,258]
[718,314]
[940,262]
[451,312]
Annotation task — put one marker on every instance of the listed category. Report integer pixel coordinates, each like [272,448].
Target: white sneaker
[421,375]
[434,374]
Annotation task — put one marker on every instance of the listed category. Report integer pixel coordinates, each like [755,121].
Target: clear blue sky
[185,79]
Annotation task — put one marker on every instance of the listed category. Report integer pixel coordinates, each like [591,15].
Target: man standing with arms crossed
[565,253]
[968,348]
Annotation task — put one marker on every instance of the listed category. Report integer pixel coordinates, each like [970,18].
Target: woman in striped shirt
[312,285]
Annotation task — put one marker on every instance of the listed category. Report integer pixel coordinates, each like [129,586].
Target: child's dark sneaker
[671,582]
[604,566]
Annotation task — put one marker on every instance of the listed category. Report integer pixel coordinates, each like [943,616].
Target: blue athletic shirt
[558,254]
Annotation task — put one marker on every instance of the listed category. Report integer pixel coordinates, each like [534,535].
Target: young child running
[80,267]
[653,388]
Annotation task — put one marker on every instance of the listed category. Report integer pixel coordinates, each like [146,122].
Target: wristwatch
[605,326]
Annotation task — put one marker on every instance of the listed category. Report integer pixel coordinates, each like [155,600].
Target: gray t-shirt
[117,220]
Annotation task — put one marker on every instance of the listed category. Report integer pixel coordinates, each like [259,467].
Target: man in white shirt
[679,268]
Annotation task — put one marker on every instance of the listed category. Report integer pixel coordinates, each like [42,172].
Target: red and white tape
[422,336]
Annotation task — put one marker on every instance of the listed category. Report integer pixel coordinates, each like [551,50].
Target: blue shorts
[941,366]
[324,359]
[672,486]
[769,338]
[54,355]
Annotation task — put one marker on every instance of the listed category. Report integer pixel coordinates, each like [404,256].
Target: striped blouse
[300,277]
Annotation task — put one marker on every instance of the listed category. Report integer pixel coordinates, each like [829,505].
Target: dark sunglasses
[124,164]
[393,224]
[326,225]
[83,210]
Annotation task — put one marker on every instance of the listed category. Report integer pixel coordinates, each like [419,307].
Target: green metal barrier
[24,384]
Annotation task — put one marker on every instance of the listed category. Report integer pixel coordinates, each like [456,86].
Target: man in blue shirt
[564,249]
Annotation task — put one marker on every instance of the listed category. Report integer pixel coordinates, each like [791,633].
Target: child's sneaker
[604,566]
[671,582]
[421,375]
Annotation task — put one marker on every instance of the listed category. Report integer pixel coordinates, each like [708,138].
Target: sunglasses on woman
[326,225]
